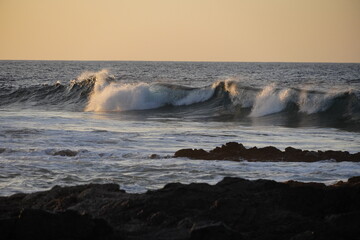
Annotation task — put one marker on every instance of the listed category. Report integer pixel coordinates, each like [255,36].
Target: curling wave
[112,96]
[51,96]
[225,100]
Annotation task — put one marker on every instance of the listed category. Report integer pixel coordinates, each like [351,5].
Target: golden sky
[181,30]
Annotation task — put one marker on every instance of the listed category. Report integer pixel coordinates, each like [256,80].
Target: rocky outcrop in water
[237,152]
[234,208]
[66,153]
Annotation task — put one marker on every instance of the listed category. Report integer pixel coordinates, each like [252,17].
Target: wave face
[51,96]
[226,100]
[113,96]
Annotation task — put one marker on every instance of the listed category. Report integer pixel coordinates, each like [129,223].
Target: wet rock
[234,208]
[307,235]
[192,153]
[213,231]
[354,180]
[66,153]
[185,223]
[236,151]
[40,224]
[154,156]
[157,218]
[342,225]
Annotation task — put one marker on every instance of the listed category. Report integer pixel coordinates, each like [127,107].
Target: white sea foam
[196,96]
[270,100]
[239,96]
[119,145]
[109,95]
[314,103]
[113,96]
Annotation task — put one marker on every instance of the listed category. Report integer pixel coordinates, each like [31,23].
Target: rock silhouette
[234,208]
[237,152]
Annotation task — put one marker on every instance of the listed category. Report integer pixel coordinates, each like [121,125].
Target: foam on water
[270,101]
[112,96]
[317,102]
[103,92]
[178,105]
[110,150]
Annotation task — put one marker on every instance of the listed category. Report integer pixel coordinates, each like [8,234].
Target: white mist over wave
[102,78]
[112,96]
[270,101]
[238,95]
[109,95]
[310,103]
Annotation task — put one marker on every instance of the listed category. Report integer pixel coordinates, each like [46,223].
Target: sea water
[126,120]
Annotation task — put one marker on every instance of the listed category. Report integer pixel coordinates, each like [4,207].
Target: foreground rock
[236,152]
[234,208]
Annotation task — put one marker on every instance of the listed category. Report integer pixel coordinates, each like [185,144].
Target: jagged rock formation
[234,208]
[236,152]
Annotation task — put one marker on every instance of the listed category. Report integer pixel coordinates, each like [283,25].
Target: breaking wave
[112,96]
[225,100]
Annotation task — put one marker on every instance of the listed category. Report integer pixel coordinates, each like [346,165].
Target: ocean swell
[112,96]
[224,100]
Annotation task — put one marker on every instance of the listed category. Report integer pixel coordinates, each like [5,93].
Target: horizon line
[199,61]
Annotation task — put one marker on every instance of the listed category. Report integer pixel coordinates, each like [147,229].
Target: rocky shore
[236,152]
[234,208]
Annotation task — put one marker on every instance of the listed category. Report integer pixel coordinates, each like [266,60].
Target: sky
[181,30]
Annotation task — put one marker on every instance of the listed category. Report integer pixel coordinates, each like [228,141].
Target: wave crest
[224,100]
[113,96]
[270,101]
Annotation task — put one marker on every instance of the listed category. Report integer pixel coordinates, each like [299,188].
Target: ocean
[125,120]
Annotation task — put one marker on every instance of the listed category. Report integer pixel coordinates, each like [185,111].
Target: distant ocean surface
[116,115]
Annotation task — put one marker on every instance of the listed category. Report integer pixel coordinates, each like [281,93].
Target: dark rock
[2,150]
[342,225]
[185,223]
[39,224]
[236,151]
[212,231]
[157,218]
[154,156]
[354,180]
[234,208]
[291,150]
[307,235]
[66,153]
[192,153]
[355,157]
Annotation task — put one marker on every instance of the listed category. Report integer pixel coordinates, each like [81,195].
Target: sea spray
[270,101]
[40,116]
[229,99]
[115,96]
[240,95]
[315,103]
